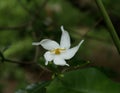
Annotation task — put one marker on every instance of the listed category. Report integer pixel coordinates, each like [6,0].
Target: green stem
[109,24]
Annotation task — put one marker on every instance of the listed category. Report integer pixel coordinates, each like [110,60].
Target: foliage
[25,21]
[35,88]
[88,80]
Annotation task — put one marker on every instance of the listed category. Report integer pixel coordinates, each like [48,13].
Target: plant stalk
[109,24]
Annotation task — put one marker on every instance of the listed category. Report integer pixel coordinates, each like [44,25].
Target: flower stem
[109,24]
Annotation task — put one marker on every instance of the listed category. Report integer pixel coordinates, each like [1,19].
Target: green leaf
[35,88]
[88,80]
[19,47]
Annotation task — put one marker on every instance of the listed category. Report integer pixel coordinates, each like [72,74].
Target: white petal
[59,61]
[46,62]
[36,43]
[48,57]
[68,54]
[65,39]
[48,44]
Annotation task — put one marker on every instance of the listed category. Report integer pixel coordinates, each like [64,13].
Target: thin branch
[18,62]
[3,59]
[87,64]
[37,50]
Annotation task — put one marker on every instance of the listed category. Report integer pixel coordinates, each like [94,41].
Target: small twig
[87,64]
[37,50]
[18,62]
[3,59]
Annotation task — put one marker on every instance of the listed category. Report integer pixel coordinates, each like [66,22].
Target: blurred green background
[25,21]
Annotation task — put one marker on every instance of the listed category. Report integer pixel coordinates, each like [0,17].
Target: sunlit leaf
[19,47]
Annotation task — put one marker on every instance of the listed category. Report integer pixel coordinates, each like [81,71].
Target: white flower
[59,53]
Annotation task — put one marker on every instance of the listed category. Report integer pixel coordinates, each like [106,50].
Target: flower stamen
[58,51]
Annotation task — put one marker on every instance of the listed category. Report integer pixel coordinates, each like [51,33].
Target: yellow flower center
[58,51]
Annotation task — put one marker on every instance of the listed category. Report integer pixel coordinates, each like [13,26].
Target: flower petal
[65,39]
[68,54]
[47,44]
[48,57]
[59,61]
[36,43]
